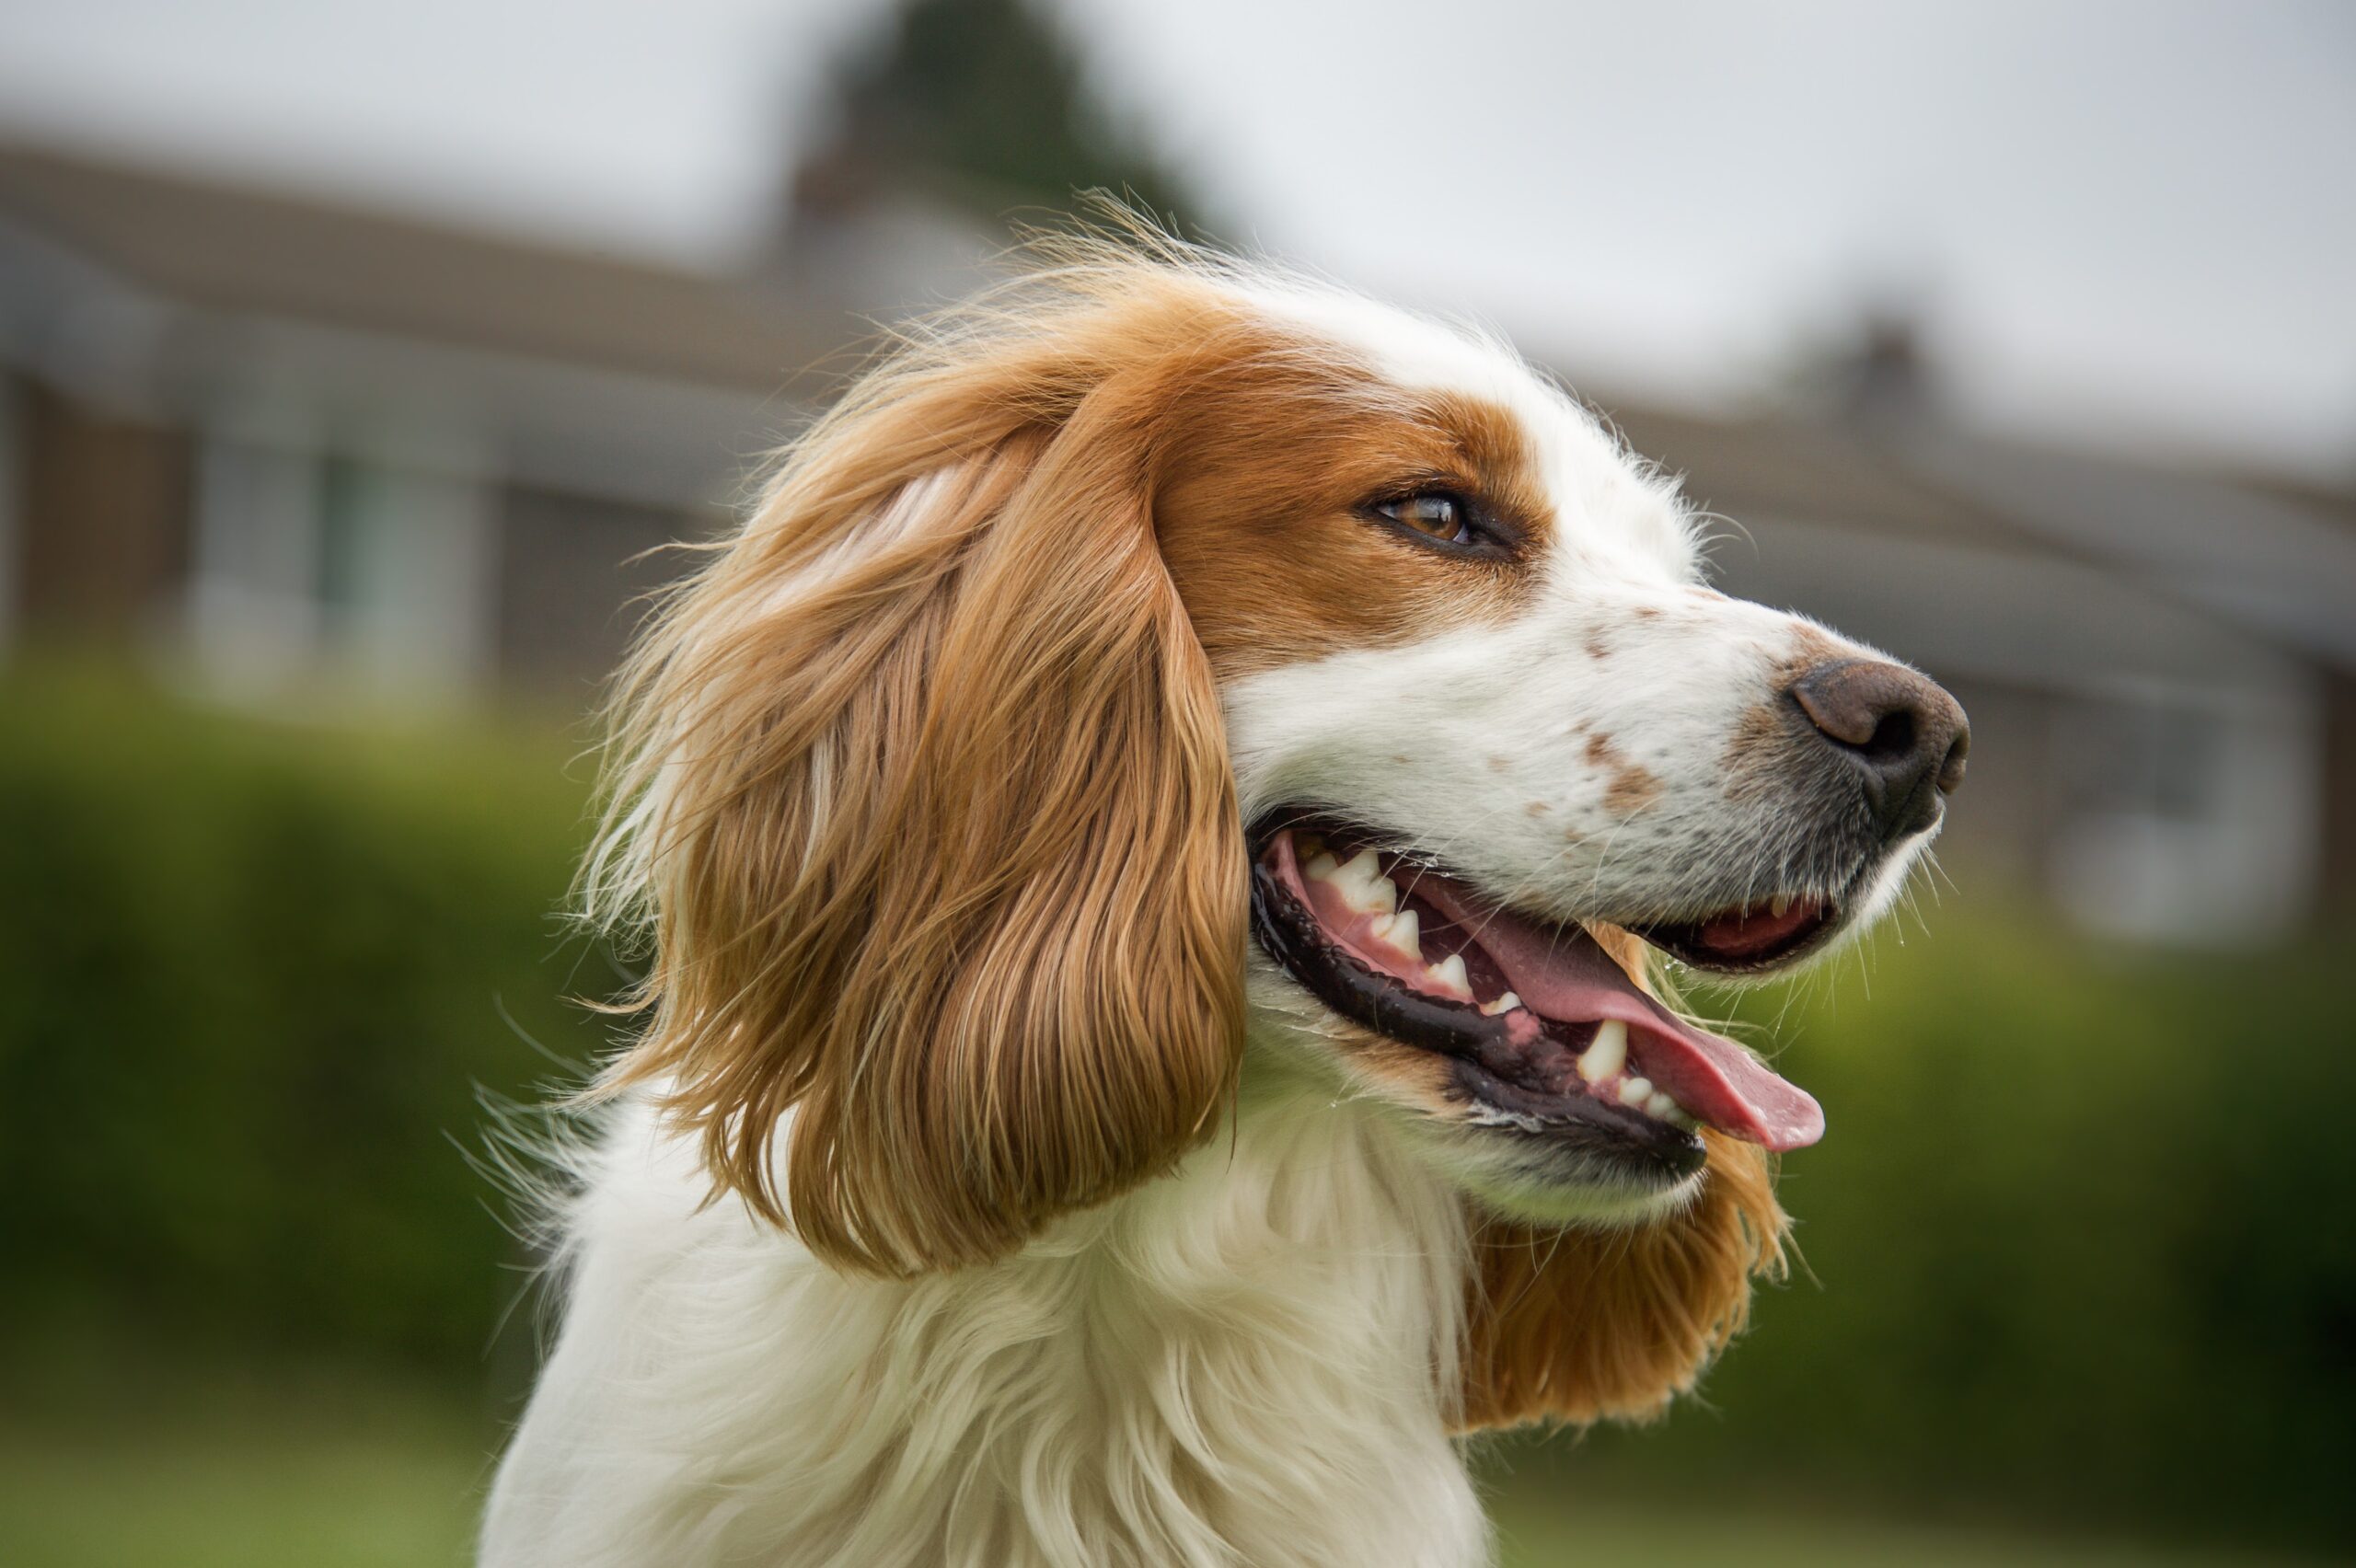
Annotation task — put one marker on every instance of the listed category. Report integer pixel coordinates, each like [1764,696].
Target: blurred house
[296,448]
[2160,664]
[303,453]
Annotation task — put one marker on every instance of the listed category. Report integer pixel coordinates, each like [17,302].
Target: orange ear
[927,802]
[1579,1325]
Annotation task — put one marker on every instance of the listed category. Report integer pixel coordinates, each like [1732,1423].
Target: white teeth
[1635,1090]
[1402,931]
[1364,887]
[1505,1003]
[1780,906]
[1321,866]
[1607,1055]
[1449,975]
[1662,1108]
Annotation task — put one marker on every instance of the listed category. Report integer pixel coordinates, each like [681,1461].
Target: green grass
[1539,1535]
[225,1474]
[249,1484]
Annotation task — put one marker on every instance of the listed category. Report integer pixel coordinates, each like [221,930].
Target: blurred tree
[981,102]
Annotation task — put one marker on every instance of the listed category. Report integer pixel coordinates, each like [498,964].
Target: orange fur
[923,795]
[941,829]
[1582,1325]
[1575,1326]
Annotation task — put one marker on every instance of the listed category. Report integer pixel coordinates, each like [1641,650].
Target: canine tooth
[1308,845]
[1609,1052]
[1635,1090]
[1449,975]
[1321,865]
[1662,1108]
[1402,931]
[1506,1002]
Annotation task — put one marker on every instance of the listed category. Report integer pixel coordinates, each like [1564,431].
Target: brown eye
[1434,513]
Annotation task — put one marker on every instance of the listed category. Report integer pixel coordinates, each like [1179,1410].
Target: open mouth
[1757,936]
[1544,1031]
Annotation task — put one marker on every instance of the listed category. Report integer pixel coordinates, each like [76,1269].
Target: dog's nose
[1903,733]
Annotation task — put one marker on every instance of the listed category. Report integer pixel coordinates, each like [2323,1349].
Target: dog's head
[1170,655]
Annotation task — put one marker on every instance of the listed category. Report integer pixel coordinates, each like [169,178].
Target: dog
[1151,845]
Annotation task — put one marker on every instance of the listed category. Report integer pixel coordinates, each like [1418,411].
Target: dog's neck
[1247,1362]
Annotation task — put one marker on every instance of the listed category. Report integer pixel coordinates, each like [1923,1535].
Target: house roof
[2276,565]
[1821,470]
[222,246]
[1862,494]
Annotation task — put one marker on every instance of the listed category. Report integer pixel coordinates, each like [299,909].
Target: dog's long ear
[1584,1325]
[927,803]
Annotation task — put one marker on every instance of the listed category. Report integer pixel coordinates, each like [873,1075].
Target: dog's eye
[1434,513]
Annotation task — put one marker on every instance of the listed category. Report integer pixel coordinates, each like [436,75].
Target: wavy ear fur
[924,796]
[1579,1326]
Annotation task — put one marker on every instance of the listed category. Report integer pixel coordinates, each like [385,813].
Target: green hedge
[249,979]
[2081,1240]
[2083,1236]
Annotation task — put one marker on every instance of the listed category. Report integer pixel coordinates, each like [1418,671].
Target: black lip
[1486,1065]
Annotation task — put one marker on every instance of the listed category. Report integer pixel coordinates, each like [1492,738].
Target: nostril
[1892,739]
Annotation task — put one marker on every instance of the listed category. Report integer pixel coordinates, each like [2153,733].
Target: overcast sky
[2131,220]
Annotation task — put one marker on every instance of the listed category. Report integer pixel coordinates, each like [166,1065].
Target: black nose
[1903,733]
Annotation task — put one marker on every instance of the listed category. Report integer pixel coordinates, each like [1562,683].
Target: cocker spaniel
[1150,842]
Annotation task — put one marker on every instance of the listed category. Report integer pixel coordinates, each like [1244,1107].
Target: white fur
[1503,779]
[1622,644]
[1245,1363]
[1251,1361]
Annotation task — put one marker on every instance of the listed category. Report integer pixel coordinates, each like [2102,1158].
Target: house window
[253,615]
[344,523]
[338,566]
[2188,817]
[12,543]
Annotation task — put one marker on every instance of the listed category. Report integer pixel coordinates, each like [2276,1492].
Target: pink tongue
[1572,980]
